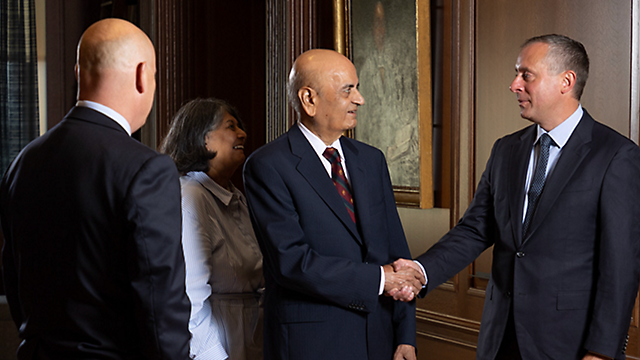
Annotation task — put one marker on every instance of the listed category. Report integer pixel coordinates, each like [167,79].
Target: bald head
[116,68]
[310,69]
[323,89]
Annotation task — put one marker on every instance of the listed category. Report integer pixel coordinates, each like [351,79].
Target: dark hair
[185,142]
[565,54]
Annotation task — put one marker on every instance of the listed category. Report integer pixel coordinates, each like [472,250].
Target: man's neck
[328,139]
[560,116]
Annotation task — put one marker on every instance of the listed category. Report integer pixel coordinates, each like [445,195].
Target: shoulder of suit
[361,146]
[274,148]
[605,137]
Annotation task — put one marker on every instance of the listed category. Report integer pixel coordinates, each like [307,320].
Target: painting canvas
[384,52]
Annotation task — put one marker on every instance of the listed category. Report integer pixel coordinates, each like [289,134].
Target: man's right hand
[403,284]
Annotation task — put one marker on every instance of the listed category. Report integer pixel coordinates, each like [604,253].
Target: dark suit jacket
[322,271]
[573,280]
[92,261]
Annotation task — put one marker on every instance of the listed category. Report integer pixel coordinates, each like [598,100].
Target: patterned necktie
[340,180]
[537,184]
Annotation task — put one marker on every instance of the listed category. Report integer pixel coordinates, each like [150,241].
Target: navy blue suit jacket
[573,280]
[92,261]
[322,271]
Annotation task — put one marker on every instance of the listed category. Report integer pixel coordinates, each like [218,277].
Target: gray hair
[185,142]
[296,81]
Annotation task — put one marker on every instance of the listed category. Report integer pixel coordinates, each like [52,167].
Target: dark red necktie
[340,180]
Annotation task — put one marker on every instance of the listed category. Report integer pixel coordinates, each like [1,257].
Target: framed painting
[389,44]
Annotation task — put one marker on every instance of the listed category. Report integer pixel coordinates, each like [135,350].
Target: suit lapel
[517,172]
[573,154]
[358,182]
[311,168]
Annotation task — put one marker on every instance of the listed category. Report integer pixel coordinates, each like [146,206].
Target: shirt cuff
[426,279]
[382,279]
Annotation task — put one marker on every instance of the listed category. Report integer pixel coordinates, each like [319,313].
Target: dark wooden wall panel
[66,21]
[173,39]
[229,62]
[212,49]
[229,51]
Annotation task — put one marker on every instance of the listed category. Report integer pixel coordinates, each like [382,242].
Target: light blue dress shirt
[560,135]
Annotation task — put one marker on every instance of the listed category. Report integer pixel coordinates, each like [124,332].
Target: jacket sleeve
[155,260]
[618,253]
[404,314]
[468,239]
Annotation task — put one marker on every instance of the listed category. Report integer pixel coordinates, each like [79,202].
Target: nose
[516,84]
[358,99]
[241,133]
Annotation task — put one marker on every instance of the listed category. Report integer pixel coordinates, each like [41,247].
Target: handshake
[403,279]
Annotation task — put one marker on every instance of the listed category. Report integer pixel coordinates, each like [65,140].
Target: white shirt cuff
[423,273]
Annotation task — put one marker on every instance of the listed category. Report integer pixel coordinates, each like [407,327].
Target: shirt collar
[318,145]
[224,195]
[561,133]
[108,112]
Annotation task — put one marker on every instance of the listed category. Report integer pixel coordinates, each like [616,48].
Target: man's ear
[307,98]
[141,77]
[569,79]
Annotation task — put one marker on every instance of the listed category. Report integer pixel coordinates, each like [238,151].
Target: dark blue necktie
[537,184]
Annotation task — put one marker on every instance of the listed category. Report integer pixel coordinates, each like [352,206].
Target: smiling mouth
[238,147]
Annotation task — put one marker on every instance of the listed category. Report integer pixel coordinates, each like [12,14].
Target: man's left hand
[405,352]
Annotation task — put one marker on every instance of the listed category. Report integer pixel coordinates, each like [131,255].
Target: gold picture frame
[399,121]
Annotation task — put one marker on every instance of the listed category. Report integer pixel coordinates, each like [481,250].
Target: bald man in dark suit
[92,261]
[324,214]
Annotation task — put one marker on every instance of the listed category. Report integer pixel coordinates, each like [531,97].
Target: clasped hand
[403,280]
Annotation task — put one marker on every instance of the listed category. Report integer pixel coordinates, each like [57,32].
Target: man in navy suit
[92,260]
[323,253]
[560,203]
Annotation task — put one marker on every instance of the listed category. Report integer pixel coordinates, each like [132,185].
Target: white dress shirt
[319,146]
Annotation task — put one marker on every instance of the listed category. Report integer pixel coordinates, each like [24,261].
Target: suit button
[520,254]
[508,294]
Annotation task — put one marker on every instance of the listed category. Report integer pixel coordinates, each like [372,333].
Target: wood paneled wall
[212,49]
